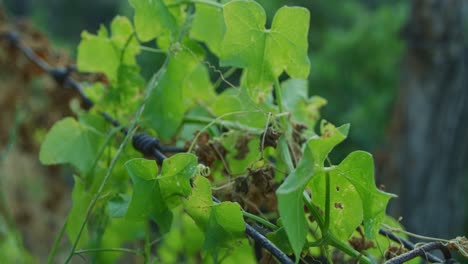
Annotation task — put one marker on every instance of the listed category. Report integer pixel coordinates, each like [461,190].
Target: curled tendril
[203,170]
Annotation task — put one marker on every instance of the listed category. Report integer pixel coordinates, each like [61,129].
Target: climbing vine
[182,173]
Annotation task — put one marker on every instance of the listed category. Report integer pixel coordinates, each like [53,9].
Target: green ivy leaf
[118,205]
[241,159]
[249,113]
[71,142]
[290,203]
[147,200]
[296,100]
[152,19]
[198,87]
[222,223]
[101,53]
[358,169]
[345,203]
[209,16]
[242,253]
[323,145]
[265,53]
[165,109]
[280,239]
[80,200]
[199,204]
[225,225]
[175,178]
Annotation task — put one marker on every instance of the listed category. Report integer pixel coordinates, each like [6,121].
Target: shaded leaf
[290,203]
[296,100]
[225,224]
[80,202]
[118,205]
[147,201]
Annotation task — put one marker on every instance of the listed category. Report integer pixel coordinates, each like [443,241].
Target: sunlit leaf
[152,18]
[358,169]
[103,53]
[165,108]
[303,109]
[345,203]
[175,178]
[199,204]
[209,16]
[71,142]
[265,53]
[322,145]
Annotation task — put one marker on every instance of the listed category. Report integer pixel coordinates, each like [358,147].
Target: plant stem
[327,203]
[101,150]
[347,249]
[314,212]
[57,240]
[144,48]
[285,154]
[206,2]
[211,3]
[223,77]
[260,220]
[92,250]
[216,121]
[329,238]
[279,102]
[399,230]
[147,253]
[98,193]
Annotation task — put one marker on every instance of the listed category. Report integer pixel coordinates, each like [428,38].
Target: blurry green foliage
[355,67]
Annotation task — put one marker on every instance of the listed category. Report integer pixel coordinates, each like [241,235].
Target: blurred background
[396,70]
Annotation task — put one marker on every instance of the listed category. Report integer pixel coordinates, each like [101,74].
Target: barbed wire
[150,146]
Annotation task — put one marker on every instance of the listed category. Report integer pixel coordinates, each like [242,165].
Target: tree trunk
[431,142]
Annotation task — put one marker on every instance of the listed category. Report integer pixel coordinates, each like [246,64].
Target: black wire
[422,251]
[407,244]
[264,242]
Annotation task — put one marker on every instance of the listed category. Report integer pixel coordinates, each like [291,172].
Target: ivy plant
[259,147]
